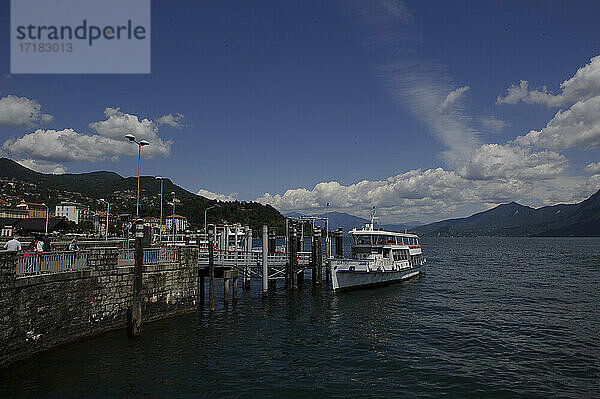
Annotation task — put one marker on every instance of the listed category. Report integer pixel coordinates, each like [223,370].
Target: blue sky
[306,100]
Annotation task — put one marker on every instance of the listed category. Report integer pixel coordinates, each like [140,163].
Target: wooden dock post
[235,286]
[211,267]
[247,253]
[339,244]
[265,261]
[272,242]
[225,291]
[136,307]
[317,257]
[293,260]
[201,289]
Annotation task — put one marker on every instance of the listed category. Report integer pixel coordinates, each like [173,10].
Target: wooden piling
[339,244]
[293,259]
[272,242]
[211,267]
[201,289]
[226,291]
[265,264]
[246,277]
[235,286]
[317,257]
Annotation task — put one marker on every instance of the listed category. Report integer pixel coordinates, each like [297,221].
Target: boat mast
[373,219]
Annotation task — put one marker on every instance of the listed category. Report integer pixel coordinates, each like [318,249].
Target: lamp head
[130,137]
[143,143]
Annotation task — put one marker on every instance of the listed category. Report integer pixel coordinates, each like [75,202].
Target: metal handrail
[152,256]
[33,263]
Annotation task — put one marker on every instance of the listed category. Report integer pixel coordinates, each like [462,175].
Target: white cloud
[43,166]
[431,195]
[176,121]
[47,118]
[492,161]
[419,86]
[48,149]
[452,97]
[117,124]
[581,86]
[215,196]
[492,124]
[514,94]
[21,112]
[66,146]
[592,168]
[578,126]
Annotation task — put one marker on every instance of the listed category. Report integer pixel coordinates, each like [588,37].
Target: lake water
[488,318]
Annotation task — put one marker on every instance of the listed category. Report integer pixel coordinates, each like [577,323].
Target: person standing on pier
[13,245]
[39,245]
[47,243]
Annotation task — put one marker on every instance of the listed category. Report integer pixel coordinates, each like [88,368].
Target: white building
[72,211]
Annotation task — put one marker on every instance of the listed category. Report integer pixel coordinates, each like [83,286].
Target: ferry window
[386,253]
[364,239]
[378,240]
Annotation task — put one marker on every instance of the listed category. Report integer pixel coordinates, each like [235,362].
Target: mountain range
[120,192]
[512,219]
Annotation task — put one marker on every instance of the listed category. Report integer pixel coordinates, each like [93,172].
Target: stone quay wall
[41,311]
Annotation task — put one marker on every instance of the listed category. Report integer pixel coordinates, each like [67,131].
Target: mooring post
[265,260]
[317,257]
[201,291]
[339,245]
[211,267]
[136,309]
[293,261]
[226,291]
[235,284]
[247,254]
[272,242]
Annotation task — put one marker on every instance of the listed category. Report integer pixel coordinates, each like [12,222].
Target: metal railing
[32,263]
[152,256]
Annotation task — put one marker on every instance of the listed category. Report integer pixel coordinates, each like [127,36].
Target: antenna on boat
[373,218]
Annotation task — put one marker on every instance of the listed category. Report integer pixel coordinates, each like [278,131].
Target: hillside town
[26,218]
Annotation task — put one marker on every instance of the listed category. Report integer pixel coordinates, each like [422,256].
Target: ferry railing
[33,263]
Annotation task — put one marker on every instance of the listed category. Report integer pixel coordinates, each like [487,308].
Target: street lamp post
[107,213]
[161,208]
[205,212]
[140,144]
[173,226]
[47,211]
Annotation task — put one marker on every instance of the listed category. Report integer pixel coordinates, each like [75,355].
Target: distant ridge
[513,219]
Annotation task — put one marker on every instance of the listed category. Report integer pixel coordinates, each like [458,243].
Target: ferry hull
[344,279]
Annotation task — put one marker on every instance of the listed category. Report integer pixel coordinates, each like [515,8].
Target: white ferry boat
[378,257]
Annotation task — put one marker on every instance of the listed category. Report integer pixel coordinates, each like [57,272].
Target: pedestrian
[39,245]
[47,243]
[73,245]
[13,245]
